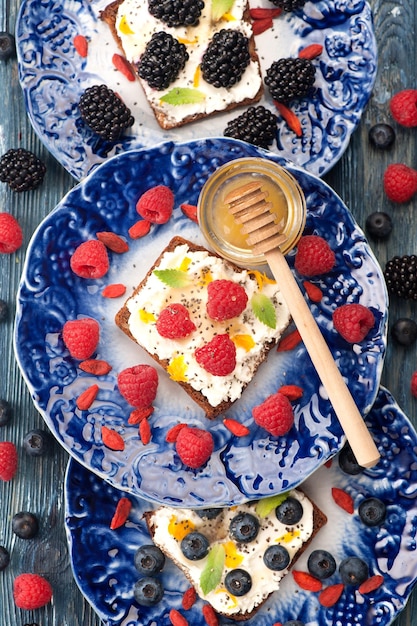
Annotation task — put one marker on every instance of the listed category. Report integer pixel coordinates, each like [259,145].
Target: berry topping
[162,61]
[401,276]
[378,225]
[81,337]
[276,557]
[194,446]
[348,462]
[353,322]
[174,322]
[31,591]
[149,559]
[244,527]
[21,170]
[7,46]
[104,112]
[257,126]
[404,331]
[321,564]
[403,106]
[372,511]
[238,582]
[156,204]
[37,442]
[400,182]
[275,414]
[25,525]
[208,513]
[138,385]
[290,511]
[226,58]
[4,558]
[314,256]
[176,12]
[6,412]
[8,460]
[381,136]
[90,259]
[288,79]
[289,5]
[218,356]
[11,235]
[148,591]
[195,546]
[226,299]
[353,571]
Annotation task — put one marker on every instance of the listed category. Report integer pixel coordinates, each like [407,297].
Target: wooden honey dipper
[250,208]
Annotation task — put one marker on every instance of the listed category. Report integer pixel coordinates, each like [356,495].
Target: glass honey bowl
[223,234]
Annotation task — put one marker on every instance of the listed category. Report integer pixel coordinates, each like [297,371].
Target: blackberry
[401,276]
[289,5]
[257,126]
[290,78]
[176,12]
[226,58]
[5,412]
[21,169]
[104,112]
[162,61]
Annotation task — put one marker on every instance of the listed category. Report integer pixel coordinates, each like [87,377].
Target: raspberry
[31,591]
[400,182]
[226,299]
[353,322]
[275,414]
[194,446]
[11,235]
[413,385]
[8,460]
[90,259]
[403,106]
[138,385]
[314,256]
[156,204]
[81,337]
[218,356]
[174,322]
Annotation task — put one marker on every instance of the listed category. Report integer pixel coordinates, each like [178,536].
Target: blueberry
[353,571]
[321,564]
[276,557]
[4,558]
[4,310]
[238,582]
[348,462]
[208,513]
[5,412]
[289,512]
[244,527]
[381,136]
[378,224]
[37,442]
[25,525]
[372,511]
[149,559]
[195,546]
[7,46]
[404,331]
[148,591]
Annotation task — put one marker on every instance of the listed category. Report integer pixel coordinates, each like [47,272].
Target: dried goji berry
[236,428]
[290,341]
[259,13]
[114,291]
[145,431]
[177,619]
[86,399]
[313,291]
[343,499]
[95,366]
[260,26]
[188,598]
[290,117]
[113,242]
[121,64]
[81,45]
[112,439]
[139,229]
[329,596]
[172,434]
[371,584]
[293,392]
[190,210]
[210,615]
[311,52]
[307,581]
[137,415]
[121,513]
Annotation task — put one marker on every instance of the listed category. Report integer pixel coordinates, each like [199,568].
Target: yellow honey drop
[243,341]
[124,26]
[196,78]
[177,369]
[179,529]
[228,17]
[185,264]
[288,537]
[232,556]
[261,278]
[146,317]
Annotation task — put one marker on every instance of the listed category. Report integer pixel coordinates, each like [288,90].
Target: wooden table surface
[357,178]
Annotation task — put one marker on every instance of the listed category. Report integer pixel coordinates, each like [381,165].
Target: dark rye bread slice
[109,15]
[122,321]
[319,520]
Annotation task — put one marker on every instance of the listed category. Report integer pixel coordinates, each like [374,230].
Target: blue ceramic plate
[53,77]
[50,294]
[105,572]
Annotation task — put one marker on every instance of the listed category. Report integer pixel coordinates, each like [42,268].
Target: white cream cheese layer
[135,27]
[169,525]
[248,333]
